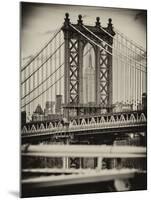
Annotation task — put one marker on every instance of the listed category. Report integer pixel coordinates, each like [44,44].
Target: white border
[9,99]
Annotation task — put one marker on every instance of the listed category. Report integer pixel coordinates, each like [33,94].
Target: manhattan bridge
[84,96]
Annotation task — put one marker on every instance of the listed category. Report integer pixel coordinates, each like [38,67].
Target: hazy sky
[40,21]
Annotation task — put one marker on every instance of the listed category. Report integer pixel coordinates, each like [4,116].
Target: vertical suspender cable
[114,75]
[122,73]
[126,94]
[51,93]
[33,68]
[86,75]
[55,68]
[129,75]
[29,84]
[145,74]
[25,88]
[117,76]
[140,80]
[119,69]
[36,82]
[38,74]
[118,81]
[127,67]
[25,91]
[62,71]
[131,84]
[60,63]
[123,51]
[143,83]
[42,77]
[47,72]
[135,78]
[126,74]
[120,77]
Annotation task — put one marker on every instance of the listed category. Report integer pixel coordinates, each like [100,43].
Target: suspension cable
[131,41]
[91,41]
[108,44]
[42,92]
[135,67]
[125,39]
[47,78]
[42,63]
[45,46]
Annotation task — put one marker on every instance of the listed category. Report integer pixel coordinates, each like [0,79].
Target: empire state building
[89,81]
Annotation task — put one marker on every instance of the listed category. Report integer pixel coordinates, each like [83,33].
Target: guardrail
[106,151]
[68,176]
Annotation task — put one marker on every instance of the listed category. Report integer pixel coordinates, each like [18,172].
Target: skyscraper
[89,81]
[49,107]
[58,103]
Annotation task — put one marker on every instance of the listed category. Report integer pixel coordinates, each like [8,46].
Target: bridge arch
[24,130]
[33,128]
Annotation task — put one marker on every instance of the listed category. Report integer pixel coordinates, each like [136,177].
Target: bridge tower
[75,43]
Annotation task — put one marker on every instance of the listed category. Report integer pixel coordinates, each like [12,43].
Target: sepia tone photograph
[83,99]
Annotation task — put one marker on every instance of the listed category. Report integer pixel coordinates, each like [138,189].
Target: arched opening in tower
[88,74]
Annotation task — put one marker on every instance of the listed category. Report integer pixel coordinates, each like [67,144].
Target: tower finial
[110,21]
[110,26]
[97,23]
[66,19]
[80,21]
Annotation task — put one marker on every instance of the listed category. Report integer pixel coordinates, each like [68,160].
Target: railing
[83,151]
[104,176]
[71,175]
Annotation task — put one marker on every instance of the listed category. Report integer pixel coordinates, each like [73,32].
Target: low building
[121,107]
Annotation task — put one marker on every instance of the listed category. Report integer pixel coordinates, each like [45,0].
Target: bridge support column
[99,163]
[97,76]
[109,66]
[80,86]
[110,82]
[65,163]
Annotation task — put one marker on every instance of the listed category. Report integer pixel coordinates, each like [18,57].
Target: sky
[40,21]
